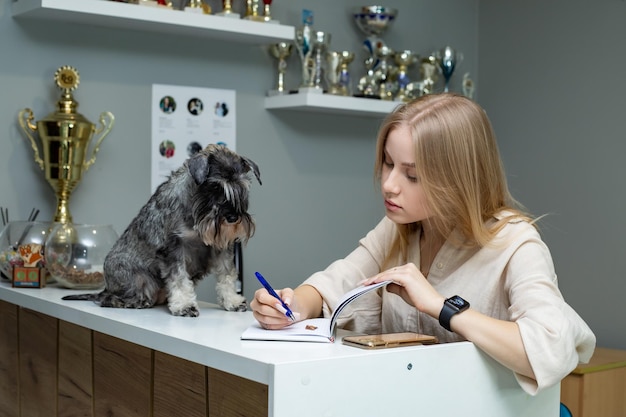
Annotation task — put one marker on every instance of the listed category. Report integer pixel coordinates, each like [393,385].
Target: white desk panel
[312,379]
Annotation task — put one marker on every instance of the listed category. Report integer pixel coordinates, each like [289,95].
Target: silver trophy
[430,75]
[429,72]
[337,72]
[316,63]
[303,39]
[447,58]
[373,21]
[380,81]
[468,86]
[385,74]
[281,51]
[404,60]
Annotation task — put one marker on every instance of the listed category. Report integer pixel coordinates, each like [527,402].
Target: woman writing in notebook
[465,261]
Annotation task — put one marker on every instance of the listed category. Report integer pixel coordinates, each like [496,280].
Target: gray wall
[318,195]
[555,125]
[552,80]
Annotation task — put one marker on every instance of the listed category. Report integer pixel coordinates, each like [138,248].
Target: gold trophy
[227,10]
[337,74]
[281,52]
[253,13]
[404,60]
[65,136]
[197,6]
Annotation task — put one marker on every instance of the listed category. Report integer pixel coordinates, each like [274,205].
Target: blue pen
[269,289]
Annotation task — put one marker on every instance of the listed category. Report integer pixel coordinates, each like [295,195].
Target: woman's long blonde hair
[459,166]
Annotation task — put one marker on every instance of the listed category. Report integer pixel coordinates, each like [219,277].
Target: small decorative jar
[74,254]
[22,244]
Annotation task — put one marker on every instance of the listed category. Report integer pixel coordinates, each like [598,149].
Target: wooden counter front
[58,368]
[73,358]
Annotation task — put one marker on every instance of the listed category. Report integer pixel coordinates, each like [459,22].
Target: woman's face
[402,191]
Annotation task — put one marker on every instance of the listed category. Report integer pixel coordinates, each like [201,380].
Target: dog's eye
[232,218]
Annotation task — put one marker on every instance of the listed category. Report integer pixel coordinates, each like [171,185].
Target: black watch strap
[453,305]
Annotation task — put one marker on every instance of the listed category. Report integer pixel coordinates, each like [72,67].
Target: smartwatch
[453,305]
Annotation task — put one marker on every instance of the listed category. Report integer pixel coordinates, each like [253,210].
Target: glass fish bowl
[74,254]
[22,243]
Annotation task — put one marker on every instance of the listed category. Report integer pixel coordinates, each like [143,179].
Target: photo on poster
[185,120]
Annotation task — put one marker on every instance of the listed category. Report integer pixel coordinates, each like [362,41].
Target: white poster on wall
[185,120]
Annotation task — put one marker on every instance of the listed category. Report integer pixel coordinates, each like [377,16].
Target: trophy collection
[255,10]
[387,74]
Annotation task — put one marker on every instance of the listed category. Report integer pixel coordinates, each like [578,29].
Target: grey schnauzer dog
[186,231]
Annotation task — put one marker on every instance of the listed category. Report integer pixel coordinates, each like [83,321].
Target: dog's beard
[220,234]
[218,203]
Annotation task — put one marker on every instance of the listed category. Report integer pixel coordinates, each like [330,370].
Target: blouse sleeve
[345,274]
[555,337]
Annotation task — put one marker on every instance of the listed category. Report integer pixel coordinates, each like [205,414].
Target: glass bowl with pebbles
[74,254]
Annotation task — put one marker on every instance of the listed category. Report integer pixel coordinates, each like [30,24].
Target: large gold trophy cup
[65,136]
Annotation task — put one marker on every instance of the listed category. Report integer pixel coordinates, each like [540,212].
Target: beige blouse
[512,280]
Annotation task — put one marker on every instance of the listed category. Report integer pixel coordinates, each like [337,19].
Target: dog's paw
[189,311]
[242,307]
[234,302]
[239,308]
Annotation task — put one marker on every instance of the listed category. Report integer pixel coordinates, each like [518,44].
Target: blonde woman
[467,263]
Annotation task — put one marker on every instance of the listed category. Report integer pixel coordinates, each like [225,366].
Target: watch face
[458,302]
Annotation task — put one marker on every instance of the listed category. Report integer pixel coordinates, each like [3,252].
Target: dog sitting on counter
[186,231]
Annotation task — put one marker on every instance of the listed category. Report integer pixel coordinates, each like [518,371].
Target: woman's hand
[498,338]
[269,312]
[304,302]
[409,283]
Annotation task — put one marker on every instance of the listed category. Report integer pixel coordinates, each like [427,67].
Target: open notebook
[311,330]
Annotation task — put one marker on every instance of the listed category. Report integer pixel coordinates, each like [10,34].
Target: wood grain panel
[572,393]
[122,377]
[9,370]
[53,368]
[604,394]
[233,396]
[75,387]
[597,388]
[180,387]
[37,363]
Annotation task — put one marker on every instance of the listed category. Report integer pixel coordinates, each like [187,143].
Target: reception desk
[74,358]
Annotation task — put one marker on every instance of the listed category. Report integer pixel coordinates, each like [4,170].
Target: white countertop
[344,377]
[212,339]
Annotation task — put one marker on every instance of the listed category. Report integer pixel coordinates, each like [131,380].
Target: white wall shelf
[112,14]
[326,103]
[116,15]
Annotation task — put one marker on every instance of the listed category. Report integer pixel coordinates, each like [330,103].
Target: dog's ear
[249,163]
[198,166]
